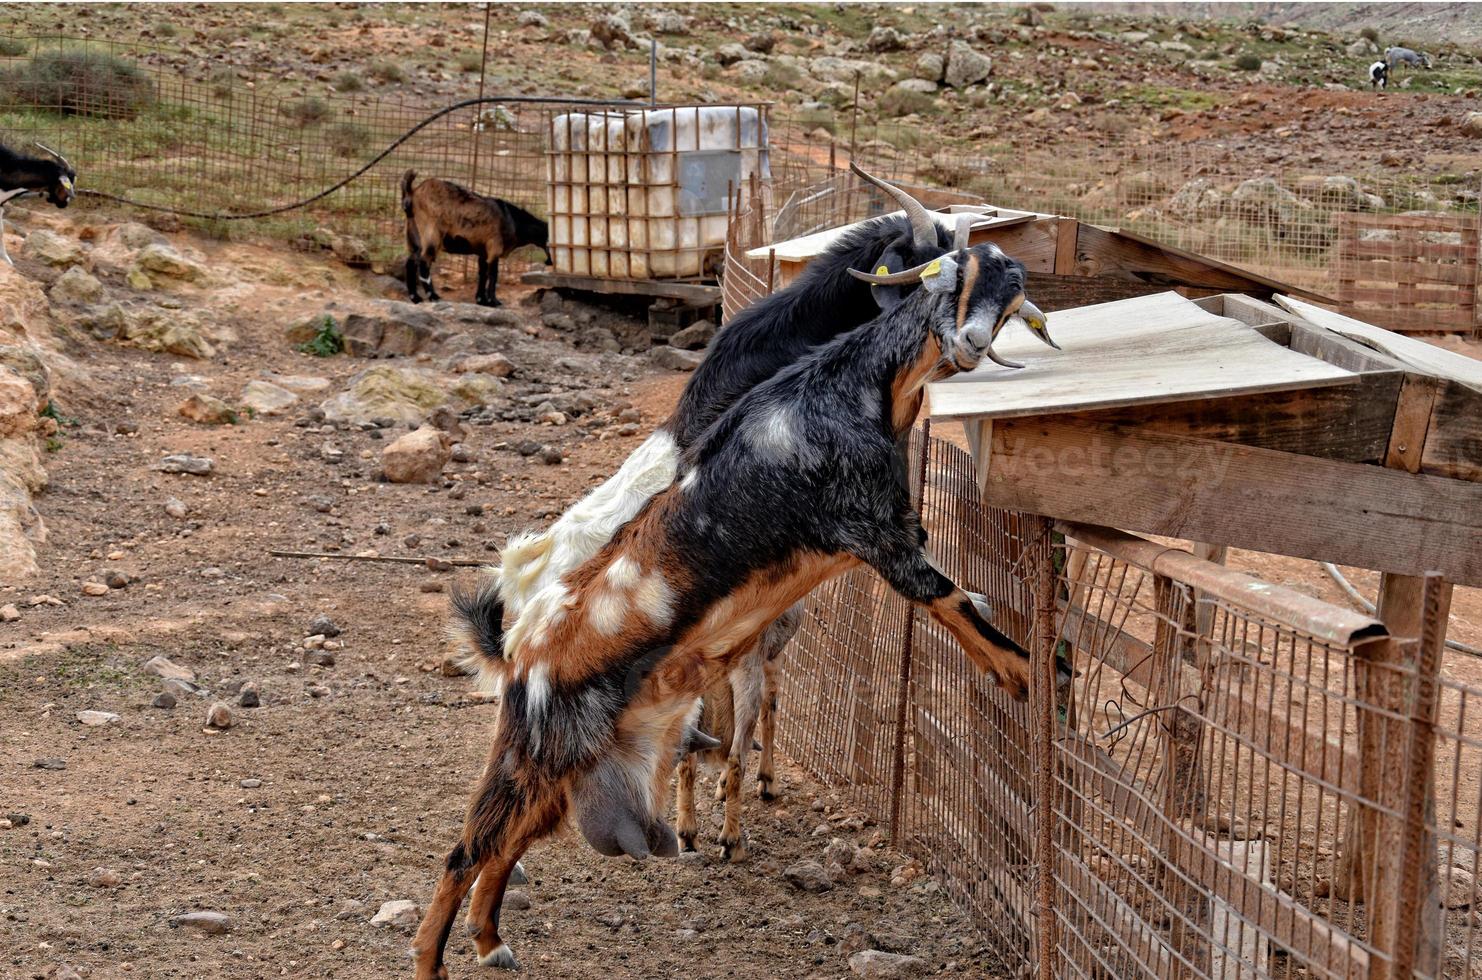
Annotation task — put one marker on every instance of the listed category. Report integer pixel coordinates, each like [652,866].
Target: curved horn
[965,224]
[923,228]
[998,360]
[59,158]
[905,276]
[1036,322]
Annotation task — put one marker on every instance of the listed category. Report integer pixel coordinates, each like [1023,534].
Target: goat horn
[1000,361]
[903,277]
[1038,325]
[923,228]
[965,224]
[60,159]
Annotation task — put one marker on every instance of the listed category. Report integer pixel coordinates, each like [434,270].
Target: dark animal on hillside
[798,481]
[444,217]
[22,175]
[1379,75]
[822,303]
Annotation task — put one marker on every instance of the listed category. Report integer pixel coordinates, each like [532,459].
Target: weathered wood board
[1427,358]
[1159,348]
[809,246]
[1242,496]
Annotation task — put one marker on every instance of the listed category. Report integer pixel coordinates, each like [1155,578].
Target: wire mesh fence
[1240,781]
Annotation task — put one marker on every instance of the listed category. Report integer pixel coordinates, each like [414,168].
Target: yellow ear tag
[884,270]
[934,269]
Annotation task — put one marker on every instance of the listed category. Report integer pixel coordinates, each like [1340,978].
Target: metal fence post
[1042,727]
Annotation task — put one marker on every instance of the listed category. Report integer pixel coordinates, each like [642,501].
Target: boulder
[18,405]
[478,389]
[884,38]
[400,914]
[919,85]
[676,359]
[612,31]
[662,21]
[886,966]
[417,457]
[151,328]
[402,330]
[730,54]
[1471,124]
[696,336]
[158,260]
[211,923]
[1362,47]
[404,394]
[965,66]
[808,876]
[931,66]
[831,69]
[266,398]
[751,72]
[77,288]
[207,410]
[495,364]
[52,249]
[1197,199]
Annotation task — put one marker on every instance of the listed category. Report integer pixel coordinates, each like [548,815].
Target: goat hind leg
[687,824]
[747,683]
[776,637]
[482,921]
[437,922]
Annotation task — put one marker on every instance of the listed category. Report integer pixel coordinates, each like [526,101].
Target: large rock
[478,389]
[52,249]
[881,965]
[18,405]
[403,330]
[417,457]
[77,288]
[160,260]
[931,66]
[696,336]
[749,72]
[404,394]
[831,69]
[1336,192]
[730,54]
[402,914]
[21,475]
[918,85]
[207,410]
[1263,200]
[808,876]
[676,359]
[884,38]
[266,398]
[1197,199]
[1471,124]
[965,66]
[495,364]
[151,328]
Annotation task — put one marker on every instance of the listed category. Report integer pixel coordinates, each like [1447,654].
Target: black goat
[21,175]
[797,482]
[442,216]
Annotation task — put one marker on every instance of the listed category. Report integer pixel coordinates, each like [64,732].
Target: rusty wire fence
[1241,781]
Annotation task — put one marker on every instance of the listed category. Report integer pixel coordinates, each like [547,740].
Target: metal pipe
[1347,587]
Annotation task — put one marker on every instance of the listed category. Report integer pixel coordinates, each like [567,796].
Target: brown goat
[444,217]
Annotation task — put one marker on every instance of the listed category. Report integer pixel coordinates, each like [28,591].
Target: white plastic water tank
[642,193]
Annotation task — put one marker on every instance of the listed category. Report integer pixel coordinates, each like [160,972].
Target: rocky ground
[218,763]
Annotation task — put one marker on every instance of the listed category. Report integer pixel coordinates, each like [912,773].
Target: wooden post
[1042,727]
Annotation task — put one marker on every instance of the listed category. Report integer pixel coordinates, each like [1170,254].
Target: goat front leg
[432,937]
[776,637]
[687,825]
[899,555]
[482,921]
[3,254]
[747,681]
[489,298]
[480,290]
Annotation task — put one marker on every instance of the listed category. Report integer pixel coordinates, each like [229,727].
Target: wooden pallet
[1409,272]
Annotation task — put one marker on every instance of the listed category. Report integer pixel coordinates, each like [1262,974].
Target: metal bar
[1042,708]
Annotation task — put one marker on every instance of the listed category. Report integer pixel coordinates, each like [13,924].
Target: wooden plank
[1453,441]
[1397,270]
[1416,353]
[810,246]
[1130,253]
[1067,231]
[1418,222]
[1382,249]
[1415,294]
[1146,349]
[1347,422]
[697,293]
[1242,496]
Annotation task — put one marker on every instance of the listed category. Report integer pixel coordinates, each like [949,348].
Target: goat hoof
[501,957]
[687,842]
[765,792]
[734,852]
[414,299]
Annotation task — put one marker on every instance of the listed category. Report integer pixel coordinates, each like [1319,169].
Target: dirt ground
[346,787]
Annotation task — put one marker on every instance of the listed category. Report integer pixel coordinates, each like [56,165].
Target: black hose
[223,216]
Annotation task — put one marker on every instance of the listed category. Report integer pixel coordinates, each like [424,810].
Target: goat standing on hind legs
[442,216]
[798,482]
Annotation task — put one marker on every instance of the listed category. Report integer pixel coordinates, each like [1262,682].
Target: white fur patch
[689,479]
[531,562]
[537,690]
[655,599]
[606,611]
[544,613]
[774,433]
[624,573]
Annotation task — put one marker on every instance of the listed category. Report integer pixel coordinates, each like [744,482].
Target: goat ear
[940,275]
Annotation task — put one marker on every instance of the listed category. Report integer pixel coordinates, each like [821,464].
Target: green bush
[326,343]
[348,139]
[223,80]
[902,102]
[12,47]
[166,30]
[347,81]
[80,83]
[781,75]
[470,61]
[1370,33]
[387,72]
[1248,62]
[307,111]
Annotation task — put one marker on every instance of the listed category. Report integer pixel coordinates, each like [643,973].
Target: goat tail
[477,625]
[406,191]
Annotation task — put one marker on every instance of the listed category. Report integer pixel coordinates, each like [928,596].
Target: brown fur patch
[969,279]
[442,210]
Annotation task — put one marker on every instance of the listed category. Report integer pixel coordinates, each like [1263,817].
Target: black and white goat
[1379,75]
[798,481]
[22,175]
[765,338]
